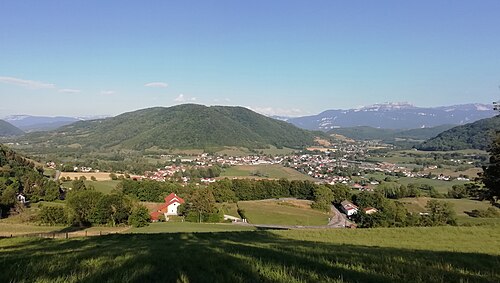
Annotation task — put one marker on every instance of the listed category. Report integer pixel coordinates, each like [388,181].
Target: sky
[289,58]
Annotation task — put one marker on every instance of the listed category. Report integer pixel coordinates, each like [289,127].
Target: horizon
[103,59]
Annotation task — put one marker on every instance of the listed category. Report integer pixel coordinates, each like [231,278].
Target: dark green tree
[491,174]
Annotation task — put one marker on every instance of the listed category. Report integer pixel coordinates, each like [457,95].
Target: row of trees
[90,207]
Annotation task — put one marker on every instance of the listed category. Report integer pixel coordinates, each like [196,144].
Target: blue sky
[276,57]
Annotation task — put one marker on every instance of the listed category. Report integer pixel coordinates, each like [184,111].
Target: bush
[491,212]
[139,217]
[53,215]
[113,176]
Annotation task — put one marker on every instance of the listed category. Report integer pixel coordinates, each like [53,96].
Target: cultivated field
[265,171]
[292,212]
[101,176]
[438,254]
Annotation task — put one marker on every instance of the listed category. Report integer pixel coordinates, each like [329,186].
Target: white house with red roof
[172,203]
[349,208]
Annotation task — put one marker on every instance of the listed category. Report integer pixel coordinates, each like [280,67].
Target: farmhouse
[349,208]
[172,203]
[370,210]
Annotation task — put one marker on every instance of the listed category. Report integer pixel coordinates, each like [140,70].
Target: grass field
[441,186]
[438,254]
[189,227]
[269,171]
[292,213]
[460,205]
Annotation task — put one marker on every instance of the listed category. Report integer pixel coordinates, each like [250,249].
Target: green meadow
[437,254]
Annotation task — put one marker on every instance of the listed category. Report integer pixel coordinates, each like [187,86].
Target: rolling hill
[395,116]
[9,130]
[477,135]
[182,126]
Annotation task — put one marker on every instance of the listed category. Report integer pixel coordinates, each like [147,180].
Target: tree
[113,209]
[81,205]
[323,198]
[139,217]
[491,172]
[53,215]
[203,202]
[441,213]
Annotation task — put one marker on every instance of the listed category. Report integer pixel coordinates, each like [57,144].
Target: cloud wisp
[26,83]
[108,92]
[183,98]
[156,85]
[69,90]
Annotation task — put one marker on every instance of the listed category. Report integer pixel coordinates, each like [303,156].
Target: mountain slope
[9,130]
[395,116]
[477,135]
[182,126]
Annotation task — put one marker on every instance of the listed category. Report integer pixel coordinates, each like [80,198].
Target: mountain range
[30,123]
[389,135]
[182,126]
[9,130]
[395,116]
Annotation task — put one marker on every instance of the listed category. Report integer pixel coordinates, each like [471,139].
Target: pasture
[283,212]
[264,171]
[437,254]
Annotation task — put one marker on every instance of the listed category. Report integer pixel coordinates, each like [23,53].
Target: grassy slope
[271,171]
[176,227]
[270,212]
[440,254]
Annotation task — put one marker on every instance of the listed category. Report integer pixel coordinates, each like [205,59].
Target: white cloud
[108,92]
[69,90]
[182,98]
[271,111]
[26,83]
[156,84]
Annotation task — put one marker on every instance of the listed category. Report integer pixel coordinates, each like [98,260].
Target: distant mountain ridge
[9,130]
[182,126]
[29,123]
[388,135]
[395,116]
[477,135]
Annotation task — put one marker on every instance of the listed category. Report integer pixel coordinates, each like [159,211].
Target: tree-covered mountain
[477,135]
[9,130]
[182,126]
[370,133]
[395,116]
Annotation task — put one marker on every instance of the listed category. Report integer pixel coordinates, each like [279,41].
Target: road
[57,175]
[339,220]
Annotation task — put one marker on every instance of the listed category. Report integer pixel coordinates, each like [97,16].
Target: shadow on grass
[231,257]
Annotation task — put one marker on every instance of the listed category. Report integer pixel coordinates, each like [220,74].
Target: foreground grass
[441,254]
[277,212]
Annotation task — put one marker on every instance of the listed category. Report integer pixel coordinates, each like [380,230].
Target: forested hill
[20,175]
[182,126]
[9,130]
[477,135]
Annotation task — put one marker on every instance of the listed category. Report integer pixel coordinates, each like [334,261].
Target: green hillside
[477,135]
[9,130]
[182,126]
[370,133]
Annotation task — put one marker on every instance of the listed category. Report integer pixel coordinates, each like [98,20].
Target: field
[283,213]
[439,185]
[438,254]
[461,206]
[265,171]
[101,176]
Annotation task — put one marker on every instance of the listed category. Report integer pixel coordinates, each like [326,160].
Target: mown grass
[438,254]
[272,212]
[189,227]
[105,187]
[266,171]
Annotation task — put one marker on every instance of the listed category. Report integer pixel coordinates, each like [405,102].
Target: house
[370,210]
[349,208]
[21,198]
[172,203]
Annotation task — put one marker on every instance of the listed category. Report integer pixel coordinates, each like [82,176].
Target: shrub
[53,215]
